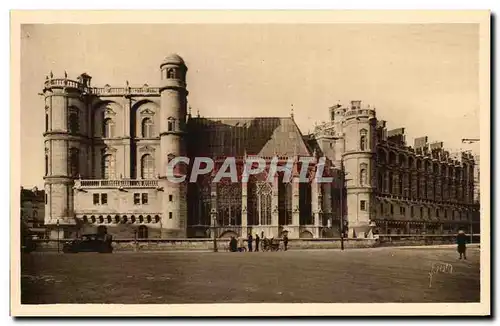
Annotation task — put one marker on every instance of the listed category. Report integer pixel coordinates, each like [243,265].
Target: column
[315,205]
[213,206]
[244,209]
[274,208]
[295,207]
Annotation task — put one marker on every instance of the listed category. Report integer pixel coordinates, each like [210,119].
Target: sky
[424,77]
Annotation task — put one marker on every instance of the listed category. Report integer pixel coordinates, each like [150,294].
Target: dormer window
[171,73]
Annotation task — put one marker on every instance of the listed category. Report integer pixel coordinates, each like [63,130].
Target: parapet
[82,85]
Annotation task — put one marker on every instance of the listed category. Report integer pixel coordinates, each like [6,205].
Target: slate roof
[263,136]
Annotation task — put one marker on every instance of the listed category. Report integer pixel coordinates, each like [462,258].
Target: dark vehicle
[89,243]
[271,244]
[28,244]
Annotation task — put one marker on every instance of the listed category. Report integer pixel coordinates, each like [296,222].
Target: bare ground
[329,276]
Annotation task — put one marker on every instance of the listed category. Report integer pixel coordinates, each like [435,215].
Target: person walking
[257,241]
[285,241]
[461,242]
[250,242]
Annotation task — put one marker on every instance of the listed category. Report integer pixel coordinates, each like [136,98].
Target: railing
[360,112]
[103,91]
[152,183]
[64,83]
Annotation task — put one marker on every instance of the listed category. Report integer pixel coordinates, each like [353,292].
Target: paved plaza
[328,276]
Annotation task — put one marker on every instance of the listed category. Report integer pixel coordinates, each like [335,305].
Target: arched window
[391,181]
[46,164]
[392,158]
[73,120]
[108,166]
[142,232]
[400,184]
[171,73]
[362,139]
[171,124]
[402,161]
[46,122]
[147,167]
[108,128]
[74,162]
[147,128]
[363,174]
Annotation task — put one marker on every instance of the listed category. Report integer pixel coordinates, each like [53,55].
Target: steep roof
[263,136]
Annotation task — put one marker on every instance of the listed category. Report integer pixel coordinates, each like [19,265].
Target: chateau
[107,148]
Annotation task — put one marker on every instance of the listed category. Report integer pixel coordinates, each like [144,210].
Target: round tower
[172,143]
[359,167]
[64,139]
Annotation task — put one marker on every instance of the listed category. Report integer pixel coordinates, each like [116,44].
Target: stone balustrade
[103,91]
[122,183]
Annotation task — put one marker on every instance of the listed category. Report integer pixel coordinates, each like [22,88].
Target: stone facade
[107,149]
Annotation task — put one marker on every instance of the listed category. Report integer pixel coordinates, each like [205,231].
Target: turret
[65,132]
[172,141]
[358,161]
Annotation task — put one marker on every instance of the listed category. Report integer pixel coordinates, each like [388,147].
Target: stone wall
[294,244]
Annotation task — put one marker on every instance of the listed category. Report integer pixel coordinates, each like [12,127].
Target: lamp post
[214,218]
[57,223]
[343,180]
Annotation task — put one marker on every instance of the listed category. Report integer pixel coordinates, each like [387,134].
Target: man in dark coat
[461,242]
[285,241]
[250,239]
[257,241]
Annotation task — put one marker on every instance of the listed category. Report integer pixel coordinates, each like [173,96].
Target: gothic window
[46,164]
[147,128]
[46,122]
[228,203]
[171,73]
[391,181]
[171,124]
[362,174]
[108,128]
[74,162]
[362,139]
[264,194]
[108,166]
[142,232]
[73,120]
[147,167]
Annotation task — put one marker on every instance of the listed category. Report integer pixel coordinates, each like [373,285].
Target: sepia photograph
[334,159]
